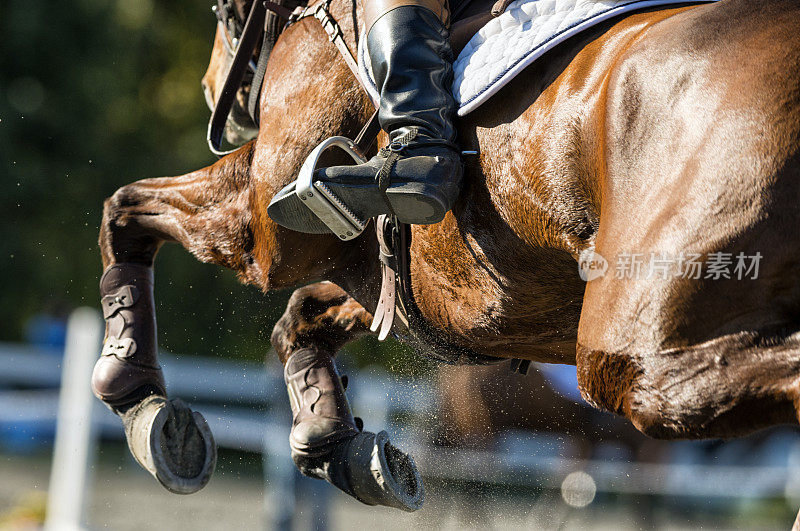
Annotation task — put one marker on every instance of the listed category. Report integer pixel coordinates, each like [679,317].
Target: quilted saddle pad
[516,39]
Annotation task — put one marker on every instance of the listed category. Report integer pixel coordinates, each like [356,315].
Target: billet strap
[277,15]
[258,78]
[273,21]
[253,29]
[520,366]
[321,12]
[369,134]
[384,314]
[283,12]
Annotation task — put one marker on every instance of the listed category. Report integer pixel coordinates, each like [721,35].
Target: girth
[397,301]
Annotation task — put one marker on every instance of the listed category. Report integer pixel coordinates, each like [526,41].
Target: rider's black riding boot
[418,177]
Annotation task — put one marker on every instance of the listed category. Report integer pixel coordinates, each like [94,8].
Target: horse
[669,132]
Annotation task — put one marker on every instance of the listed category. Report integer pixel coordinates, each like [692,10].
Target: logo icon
[591,265]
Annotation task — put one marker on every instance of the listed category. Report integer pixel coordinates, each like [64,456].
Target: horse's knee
[119,204]
[319,315]
[288,333]
[121,239]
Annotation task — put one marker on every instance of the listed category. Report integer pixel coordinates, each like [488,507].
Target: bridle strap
[253,29]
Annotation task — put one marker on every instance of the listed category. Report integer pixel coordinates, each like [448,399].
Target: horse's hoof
[380,474]
[172,442]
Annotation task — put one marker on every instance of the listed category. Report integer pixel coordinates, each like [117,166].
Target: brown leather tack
[128,361]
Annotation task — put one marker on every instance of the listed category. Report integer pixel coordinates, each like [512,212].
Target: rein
[243,47]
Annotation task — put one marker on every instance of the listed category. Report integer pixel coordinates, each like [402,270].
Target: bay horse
[668,132]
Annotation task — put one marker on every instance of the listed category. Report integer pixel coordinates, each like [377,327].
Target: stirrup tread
[356,220]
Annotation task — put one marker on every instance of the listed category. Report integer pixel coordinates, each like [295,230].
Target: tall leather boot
[418,176]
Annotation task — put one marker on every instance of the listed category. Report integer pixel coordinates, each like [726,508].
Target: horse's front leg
[326,440]
[206,212]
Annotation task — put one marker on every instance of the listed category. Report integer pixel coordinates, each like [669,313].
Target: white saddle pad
[515,40]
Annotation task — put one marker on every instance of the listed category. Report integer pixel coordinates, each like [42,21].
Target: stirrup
[337,216]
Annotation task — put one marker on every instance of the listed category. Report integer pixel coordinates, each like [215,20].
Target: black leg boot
[418,176]
[327,443]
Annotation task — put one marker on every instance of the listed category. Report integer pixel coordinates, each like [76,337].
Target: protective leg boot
[127,370]
[321,414]
[166,437]
[418,176]
[326,443]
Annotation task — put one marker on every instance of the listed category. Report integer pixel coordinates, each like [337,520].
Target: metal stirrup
[337,216]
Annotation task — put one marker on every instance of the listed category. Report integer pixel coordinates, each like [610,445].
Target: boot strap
[394,151]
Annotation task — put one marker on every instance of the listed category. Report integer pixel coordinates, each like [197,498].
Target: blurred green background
[95,94]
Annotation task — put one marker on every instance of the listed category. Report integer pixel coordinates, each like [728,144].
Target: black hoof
[172,442]
[380,474]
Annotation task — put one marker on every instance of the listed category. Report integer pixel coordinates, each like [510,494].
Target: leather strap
[384,314]
[394,239]
[397,299]
[321,12]
[281,11]
[124,297]
[520,366]
[247,45]
[272,29]
[368,135]
[121,348]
